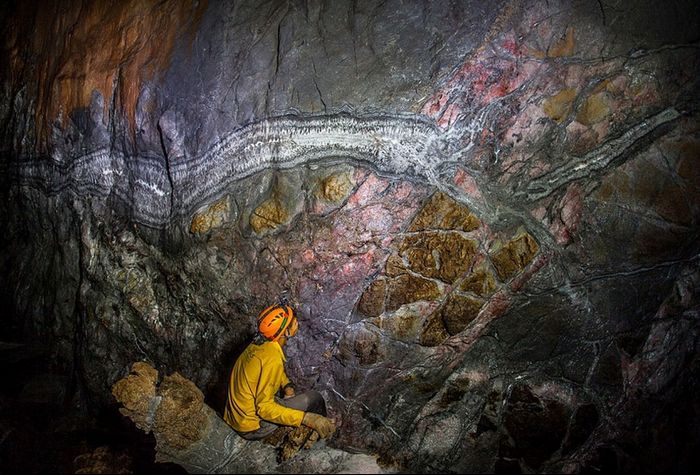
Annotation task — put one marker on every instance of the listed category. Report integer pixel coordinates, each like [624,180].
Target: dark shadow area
[215,396]
[43,431]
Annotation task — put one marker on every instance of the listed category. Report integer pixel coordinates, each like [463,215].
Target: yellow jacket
[257,375]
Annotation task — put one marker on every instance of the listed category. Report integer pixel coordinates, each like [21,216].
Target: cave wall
[486,213]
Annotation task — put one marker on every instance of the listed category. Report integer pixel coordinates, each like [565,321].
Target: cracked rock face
[485,213]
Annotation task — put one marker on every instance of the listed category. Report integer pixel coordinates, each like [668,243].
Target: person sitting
[261,397]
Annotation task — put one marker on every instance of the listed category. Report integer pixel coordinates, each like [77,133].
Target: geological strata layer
[158,190]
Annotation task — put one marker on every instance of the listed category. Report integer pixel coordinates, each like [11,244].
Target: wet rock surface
[485,213]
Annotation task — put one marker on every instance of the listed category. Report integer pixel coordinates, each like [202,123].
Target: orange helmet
[275,319]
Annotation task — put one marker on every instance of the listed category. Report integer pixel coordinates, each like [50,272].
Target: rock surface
[485,213]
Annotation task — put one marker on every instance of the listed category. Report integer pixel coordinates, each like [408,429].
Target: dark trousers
[308,401]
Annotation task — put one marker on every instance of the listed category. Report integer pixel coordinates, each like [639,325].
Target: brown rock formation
[512,257]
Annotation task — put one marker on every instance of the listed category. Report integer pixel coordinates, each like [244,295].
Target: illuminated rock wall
[486,213]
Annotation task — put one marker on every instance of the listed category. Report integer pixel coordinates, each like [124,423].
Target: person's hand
[323,425]
[289,392]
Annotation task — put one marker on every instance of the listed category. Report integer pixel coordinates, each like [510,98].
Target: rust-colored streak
[68,49]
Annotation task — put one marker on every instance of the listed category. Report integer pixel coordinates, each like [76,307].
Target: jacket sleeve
[285,380]
[269,409]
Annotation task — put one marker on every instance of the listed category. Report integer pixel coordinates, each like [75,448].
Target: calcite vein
[598,159]
[157,191]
